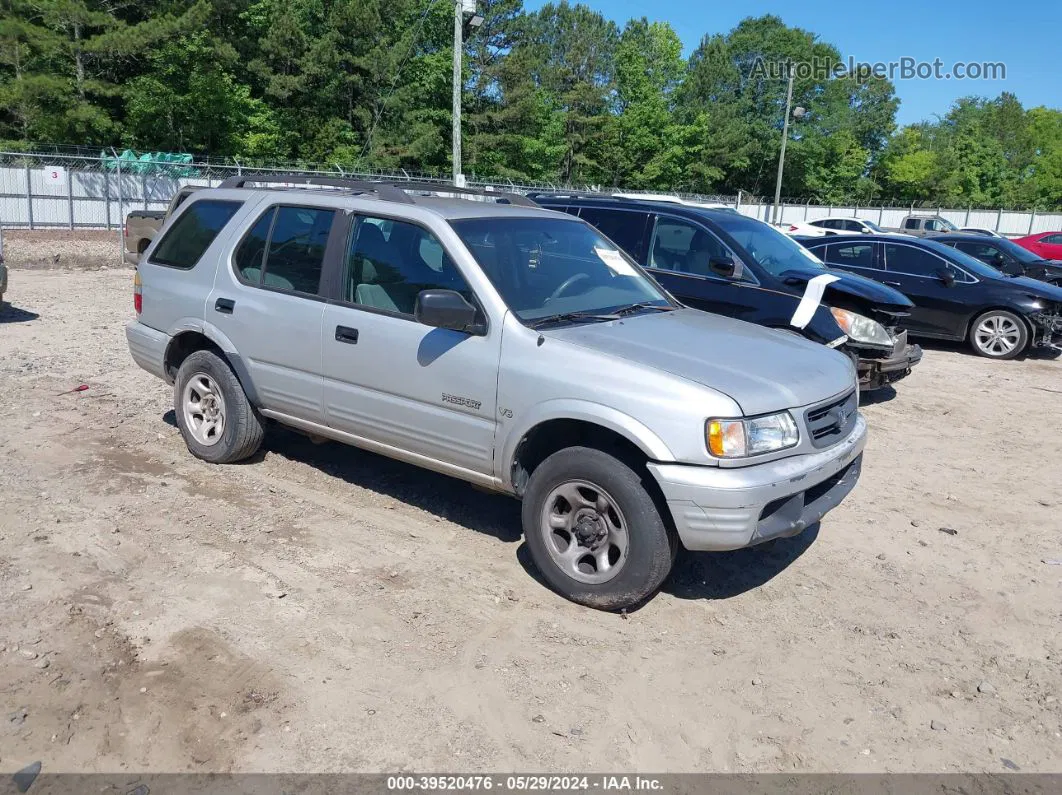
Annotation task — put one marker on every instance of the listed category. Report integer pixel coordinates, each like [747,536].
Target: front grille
[830,422]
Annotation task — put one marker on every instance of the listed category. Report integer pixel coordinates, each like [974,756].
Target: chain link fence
[76,188]
[68,188]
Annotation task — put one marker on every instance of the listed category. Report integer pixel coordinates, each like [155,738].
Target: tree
[648,69]
[568,52]
[737,84]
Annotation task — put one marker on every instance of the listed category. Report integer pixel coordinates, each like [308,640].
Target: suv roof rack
[503,197]
[388,191]
[569,194]
[640,197]
[362,186]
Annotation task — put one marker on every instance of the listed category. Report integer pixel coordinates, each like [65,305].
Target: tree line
[560,94]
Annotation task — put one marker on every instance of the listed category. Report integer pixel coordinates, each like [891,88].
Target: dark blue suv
[720,261]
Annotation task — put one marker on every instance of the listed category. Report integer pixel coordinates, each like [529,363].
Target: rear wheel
[999,334]
[594,531]
[215,418]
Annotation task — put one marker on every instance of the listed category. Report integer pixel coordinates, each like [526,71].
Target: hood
[762,370]
[1035,287]
[1045,268]
[851,285]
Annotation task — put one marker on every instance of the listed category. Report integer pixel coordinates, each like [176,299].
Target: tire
[215,418]
[608,497]
[998,334]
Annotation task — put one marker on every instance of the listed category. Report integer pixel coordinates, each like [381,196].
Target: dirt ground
[324,609]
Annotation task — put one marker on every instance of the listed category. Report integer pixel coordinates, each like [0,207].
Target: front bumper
[718,509]
[1047,329]
[876,373]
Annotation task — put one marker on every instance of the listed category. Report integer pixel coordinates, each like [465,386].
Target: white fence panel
[1013,223]
[1046,222]
[983,219]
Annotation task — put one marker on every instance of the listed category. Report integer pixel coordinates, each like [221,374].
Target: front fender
[586,411]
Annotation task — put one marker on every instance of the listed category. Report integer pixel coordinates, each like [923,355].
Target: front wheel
[594,531]
[998,334]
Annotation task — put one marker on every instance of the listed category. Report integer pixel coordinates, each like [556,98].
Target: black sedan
[719,261]
[1006,256]
[956,296]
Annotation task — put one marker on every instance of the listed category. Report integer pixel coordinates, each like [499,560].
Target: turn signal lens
[726,438]
[138,298]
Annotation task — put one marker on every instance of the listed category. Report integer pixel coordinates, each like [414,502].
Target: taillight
[792,228]
[138,298]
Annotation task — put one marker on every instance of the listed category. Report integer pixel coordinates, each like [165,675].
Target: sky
[1025,35]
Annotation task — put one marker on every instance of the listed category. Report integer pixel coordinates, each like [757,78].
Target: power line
[394,83]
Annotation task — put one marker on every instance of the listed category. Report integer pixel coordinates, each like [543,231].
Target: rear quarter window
[192,233]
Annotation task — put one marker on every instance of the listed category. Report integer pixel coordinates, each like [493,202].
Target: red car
[1047,245]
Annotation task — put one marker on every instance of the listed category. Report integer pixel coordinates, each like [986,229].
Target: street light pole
[459,45]
[781,155]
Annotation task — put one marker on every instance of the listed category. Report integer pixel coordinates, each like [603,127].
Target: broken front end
[881,351]
[1047,327]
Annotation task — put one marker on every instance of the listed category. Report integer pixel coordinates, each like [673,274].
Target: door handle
[347,335]
[224,306]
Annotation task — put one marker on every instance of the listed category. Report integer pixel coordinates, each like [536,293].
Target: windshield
[972,264]
[874,226]
[547,267]
[774,251]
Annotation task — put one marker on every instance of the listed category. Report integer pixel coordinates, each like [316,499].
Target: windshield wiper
[572,317]
[631,308]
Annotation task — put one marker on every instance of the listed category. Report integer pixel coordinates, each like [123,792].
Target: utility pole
[781,155]
[462,9]
[459,45]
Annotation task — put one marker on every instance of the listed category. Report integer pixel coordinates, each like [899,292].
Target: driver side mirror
[725,267]
[445,309]
[947,277]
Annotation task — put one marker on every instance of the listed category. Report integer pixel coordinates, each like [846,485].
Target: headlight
[861,329]
[744,438]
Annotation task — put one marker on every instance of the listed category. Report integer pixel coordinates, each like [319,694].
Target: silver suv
[502,344]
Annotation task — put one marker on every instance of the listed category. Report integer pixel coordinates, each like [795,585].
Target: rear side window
[986,253]
[910,223]
[251,252]
[625,229]
[285,249]
[911,260]
[853,255]
[193,232]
